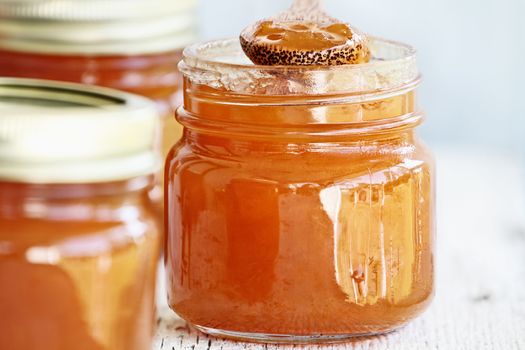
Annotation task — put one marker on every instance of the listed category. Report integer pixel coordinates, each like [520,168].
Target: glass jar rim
[221,64]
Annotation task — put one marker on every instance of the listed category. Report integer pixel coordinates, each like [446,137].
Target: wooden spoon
[304,35]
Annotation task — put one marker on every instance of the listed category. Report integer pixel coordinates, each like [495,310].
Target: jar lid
[101,27]
[69,133]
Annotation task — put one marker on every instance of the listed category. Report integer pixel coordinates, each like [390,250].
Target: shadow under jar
[132,46]
[79,241]
[299,202]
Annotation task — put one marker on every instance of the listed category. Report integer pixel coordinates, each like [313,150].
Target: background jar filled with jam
[79,240]
[126,45]
[300,201]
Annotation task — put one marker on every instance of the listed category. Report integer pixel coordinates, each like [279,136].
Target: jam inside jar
[78,265]
[299,202]
[79,236]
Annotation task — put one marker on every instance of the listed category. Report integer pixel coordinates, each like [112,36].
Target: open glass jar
[126,45]
[299,202]
[79,240]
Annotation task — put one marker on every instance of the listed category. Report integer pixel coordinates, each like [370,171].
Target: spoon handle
[306,6]
[310,10]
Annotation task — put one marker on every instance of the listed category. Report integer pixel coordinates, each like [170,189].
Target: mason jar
[79,239]
[126,45]
[300,201]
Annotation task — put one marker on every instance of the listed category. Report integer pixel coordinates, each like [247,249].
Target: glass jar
[299,202]
[79,241]
[127,45]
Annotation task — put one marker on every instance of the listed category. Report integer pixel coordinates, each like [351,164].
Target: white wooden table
[480,301]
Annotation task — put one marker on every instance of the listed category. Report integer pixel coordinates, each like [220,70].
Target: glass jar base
[287,338]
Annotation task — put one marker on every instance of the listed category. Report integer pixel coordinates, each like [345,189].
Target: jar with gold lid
[79,239]
[126,45]
[300,200]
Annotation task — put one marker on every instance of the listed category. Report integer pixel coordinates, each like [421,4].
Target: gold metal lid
[68,133]
[102,27]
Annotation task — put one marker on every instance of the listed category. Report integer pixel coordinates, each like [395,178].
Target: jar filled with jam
[300,201]
[79,239]
[126,45]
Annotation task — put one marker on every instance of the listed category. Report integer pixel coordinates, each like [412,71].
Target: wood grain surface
[480,299]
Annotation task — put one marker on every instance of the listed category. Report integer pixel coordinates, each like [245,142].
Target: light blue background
[471,54]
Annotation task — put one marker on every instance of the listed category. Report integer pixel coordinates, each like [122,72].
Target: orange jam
[77,266]
[299,202]
[304,36]
[79,239]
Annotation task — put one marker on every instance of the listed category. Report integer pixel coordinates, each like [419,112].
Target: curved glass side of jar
[297,237]
[77,265]
[151,75]
[298,217]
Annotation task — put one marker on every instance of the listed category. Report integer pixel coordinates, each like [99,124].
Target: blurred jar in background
[127,45]
[78,237]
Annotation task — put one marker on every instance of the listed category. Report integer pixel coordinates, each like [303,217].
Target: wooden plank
[480,301]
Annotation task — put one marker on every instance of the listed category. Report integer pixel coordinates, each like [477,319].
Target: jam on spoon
[304,35]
